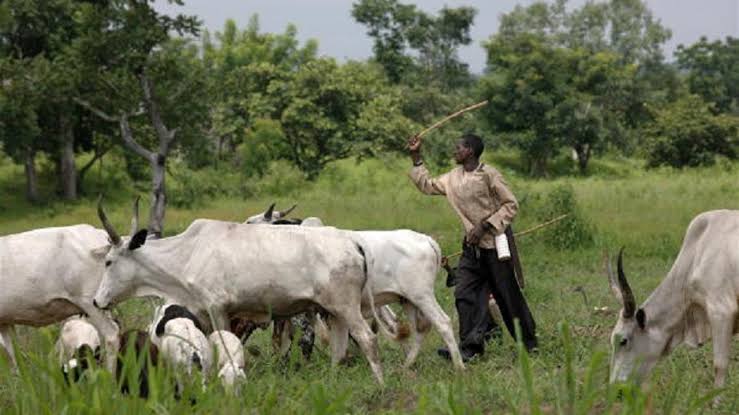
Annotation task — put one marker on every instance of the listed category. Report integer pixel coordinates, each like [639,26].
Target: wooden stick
[449,117]
[527,231]
[537,227]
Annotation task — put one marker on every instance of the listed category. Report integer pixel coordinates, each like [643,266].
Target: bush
[574,231]
[687,134]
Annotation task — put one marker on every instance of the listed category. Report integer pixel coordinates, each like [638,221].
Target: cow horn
[612,282]
[268,213]
[135,217]
[628,296]
[114,238]
[287,212]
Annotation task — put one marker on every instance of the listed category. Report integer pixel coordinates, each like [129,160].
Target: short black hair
[474,142]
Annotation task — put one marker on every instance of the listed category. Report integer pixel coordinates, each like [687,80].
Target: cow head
[269,216]
[121,266]
[637,345]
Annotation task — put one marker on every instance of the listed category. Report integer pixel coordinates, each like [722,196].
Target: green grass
[645,211]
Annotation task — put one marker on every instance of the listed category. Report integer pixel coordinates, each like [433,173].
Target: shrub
[574,231]
[687,134]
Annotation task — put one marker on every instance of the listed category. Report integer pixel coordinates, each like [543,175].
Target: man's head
[469,146]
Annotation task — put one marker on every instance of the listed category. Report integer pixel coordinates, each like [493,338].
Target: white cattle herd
[216,272]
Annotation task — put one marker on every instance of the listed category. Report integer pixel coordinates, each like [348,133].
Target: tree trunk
[67,169]
[31,179]
[158,196]
[583,156]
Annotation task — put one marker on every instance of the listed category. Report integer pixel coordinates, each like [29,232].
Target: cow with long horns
[225,269]
[696,301]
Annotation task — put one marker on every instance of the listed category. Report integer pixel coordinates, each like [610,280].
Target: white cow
[404,270]
[696,301]
[49,274]
[76,337]
[231,360]
[227,269]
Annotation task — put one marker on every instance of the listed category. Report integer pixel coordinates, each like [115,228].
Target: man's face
[461,152]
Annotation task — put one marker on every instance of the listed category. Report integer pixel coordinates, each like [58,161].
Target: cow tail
[369,262]
[437,252]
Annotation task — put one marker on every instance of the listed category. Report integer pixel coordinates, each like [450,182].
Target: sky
[339,36]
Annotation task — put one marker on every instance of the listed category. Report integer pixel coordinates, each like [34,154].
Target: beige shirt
[481,194]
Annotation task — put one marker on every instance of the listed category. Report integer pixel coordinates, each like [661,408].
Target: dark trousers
[479,274]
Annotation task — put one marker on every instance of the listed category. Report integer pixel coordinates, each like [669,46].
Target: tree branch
[100,151]
[129,141]
[95,111]
[165,135]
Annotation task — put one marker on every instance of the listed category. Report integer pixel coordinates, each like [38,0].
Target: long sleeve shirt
[476,196]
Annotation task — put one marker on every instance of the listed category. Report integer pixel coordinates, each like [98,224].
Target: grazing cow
[137,345]
[78,344]
[232,270]
[179,336]
[404,269]
[50,274]
[696,301]
[230,354]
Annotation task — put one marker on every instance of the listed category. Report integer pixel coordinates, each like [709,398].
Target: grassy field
[619,204]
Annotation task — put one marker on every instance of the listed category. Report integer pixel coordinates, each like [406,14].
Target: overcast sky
[338,35]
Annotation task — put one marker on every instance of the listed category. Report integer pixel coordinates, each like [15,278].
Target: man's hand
[474,235]
[414,144]
[444,262]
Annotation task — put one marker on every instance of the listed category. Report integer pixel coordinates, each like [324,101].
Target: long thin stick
[449,117]
[527,231]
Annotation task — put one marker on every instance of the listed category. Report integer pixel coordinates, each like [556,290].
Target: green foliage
[572,232]
[332,112]
[397,27]
[687,134]
[713,71]
[263,143]
[578,77]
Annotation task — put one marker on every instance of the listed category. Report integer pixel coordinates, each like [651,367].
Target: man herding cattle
[482,200]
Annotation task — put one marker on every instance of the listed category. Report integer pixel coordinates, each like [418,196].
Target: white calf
[230,354]
[77,338]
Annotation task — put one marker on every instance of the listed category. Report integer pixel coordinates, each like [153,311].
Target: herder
[481,198]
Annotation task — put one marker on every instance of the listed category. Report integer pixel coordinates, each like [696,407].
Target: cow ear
[138,240]
[641,318]
[99,253]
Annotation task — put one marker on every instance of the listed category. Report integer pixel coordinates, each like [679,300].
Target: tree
[34,34]
[687,133]
[397,28]
[143,71]
[241,69]
[626,28]
[19,129]
[713,71]
[543,97]
[332,112]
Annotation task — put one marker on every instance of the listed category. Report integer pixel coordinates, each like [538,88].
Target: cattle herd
[221,280]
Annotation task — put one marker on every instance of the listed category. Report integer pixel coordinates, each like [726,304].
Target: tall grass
[647,211]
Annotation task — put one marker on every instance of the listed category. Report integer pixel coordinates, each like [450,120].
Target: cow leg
[722,328]
[108,332]
[321,330]
[339,339]
[282,334]
[362,334]
[6,341]
[419,328]
[443,324]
